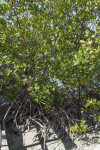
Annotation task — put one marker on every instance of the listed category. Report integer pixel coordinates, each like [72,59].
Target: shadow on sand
[56,140]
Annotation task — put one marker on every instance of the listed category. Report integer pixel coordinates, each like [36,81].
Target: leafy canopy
[44,40]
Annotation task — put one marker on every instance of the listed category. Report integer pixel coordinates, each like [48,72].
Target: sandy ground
[55,141]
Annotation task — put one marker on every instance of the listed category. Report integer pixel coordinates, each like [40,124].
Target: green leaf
[8,72]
